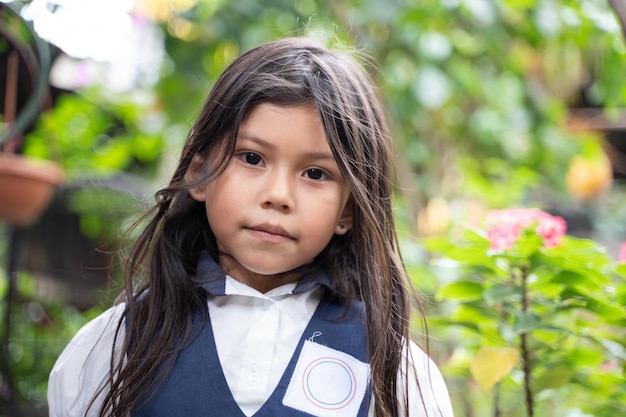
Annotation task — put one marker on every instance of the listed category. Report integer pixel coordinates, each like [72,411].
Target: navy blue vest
[196,385]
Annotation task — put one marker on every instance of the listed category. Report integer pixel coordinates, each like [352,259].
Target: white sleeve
[427,391]
[82,368]
[430,398]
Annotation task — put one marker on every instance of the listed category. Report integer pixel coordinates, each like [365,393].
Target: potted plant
[26,184]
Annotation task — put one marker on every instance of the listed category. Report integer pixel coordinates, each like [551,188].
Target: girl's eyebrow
[256,139]
[264,143]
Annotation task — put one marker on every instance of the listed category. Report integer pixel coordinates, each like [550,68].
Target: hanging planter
[26,184]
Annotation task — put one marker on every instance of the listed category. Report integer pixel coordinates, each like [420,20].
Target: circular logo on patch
[329,383]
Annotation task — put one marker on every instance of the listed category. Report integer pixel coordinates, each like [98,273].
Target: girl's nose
[278,192]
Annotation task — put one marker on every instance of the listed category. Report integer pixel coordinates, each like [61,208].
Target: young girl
[268,280]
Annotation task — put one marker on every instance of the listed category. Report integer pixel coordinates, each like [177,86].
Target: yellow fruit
[587,179]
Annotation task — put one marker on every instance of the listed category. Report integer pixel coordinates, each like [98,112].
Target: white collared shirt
[255,335]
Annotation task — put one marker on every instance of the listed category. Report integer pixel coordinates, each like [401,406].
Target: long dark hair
[364,264]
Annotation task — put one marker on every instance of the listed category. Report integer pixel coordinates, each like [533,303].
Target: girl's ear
[197,193]
[345,220]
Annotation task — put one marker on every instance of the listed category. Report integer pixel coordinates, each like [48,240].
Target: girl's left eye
[316,174]
[251,158]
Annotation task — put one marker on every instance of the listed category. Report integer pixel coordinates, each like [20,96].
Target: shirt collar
[212,278]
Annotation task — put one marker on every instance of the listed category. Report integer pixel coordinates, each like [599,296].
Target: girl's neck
[260,282]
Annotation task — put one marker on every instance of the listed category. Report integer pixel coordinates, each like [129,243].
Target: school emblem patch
[327,382]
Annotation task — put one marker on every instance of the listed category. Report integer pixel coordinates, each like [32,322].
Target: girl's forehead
[266,106]
[270,112]
[273,119]
[278,107]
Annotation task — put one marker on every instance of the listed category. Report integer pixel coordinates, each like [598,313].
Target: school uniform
[264,354]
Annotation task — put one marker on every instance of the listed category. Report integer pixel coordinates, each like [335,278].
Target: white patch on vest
[327,382]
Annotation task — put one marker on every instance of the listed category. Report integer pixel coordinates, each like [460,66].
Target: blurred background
[492,104]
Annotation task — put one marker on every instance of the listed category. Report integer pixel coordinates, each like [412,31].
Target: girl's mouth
[271,233]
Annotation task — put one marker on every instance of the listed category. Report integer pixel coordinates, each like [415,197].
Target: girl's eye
[251,158]
[316,174]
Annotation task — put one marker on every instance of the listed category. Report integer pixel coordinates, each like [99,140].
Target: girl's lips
[270,233]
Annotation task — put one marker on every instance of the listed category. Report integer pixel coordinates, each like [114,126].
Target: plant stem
[526,368]
[496,409]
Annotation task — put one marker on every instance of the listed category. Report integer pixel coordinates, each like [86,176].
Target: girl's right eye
[251,158]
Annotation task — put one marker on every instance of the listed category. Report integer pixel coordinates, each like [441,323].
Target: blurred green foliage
[467,82]
[95,139]
[40,329]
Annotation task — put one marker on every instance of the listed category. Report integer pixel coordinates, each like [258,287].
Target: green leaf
[483,317]
[585,355]
[571,278]
[525,322]
[437,244]
[549,290]
[461,291]
[468,255]
[554,378]
[476,239]
[445,322]
[584,252]
[500,293]
[608,310]
[528,244]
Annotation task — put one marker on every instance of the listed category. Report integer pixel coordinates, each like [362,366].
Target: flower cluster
[520,263]
[504,227]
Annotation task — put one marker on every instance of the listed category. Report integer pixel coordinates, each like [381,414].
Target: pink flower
[502,236]
[551,229]
[505,226]
[622,254]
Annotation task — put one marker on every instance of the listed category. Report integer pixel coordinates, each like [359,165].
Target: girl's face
[280,200]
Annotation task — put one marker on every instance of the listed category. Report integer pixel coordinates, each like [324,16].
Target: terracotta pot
[26,186]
